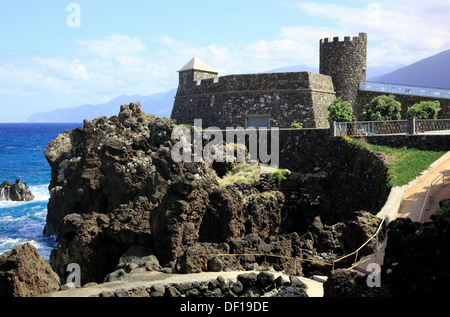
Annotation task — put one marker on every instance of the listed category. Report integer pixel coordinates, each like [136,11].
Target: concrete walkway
[147,279]
[414,198]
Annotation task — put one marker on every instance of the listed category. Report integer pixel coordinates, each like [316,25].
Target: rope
[295,258]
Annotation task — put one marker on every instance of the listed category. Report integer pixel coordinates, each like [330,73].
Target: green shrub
[279,175]
[424,110]
[296,125]
[382,108]
[340,111]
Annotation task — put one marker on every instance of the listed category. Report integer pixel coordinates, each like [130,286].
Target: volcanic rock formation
[115,186]
[23,273]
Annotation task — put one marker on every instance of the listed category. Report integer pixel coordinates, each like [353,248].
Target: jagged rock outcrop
[417,257]
[343,283]
[15,192]
[23,273]
[115,185]
[415,264]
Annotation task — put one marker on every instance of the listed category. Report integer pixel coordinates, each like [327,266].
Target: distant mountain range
[159,104]
[433,72]
[429,72]
[371,72]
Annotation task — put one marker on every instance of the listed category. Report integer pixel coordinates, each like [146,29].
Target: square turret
[196,70]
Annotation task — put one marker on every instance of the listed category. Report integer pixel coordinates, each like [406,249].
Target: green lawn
[406,164]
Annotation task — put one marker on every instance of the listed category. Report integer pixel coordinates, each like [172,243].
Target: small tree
[382,108]
[424,110]
[340,111]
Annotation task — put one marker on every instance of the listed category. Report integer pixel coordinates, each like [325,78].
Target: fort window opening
[258,122]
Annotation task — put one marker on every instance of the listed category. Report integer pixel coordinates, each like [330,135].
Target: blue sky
[136,47]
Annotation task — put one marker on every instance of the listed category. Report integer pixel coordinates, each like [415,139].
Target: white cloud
[62,69]
[293,46]
[99,69]
[400,32]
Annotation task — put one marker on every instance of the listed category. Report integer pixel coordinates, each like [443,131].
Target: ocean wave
[25,219]
[40,192]
[12,204]
[43,244]
[22,222]
[9,243]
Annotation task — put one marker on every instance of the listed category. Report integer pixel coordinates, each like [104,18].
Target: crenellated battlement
[361,38]
[346,62]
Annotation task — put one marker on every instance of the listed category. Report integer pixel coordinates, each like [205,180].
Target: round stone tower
[346,62]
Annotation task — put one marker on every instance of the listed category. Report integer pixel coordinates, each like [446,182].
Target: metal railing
[433,126]
[426,202]
[406,90]
[333,264]
[371,128]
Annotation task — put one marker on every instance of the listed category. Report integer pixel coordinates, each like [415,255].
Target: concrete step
[319,278]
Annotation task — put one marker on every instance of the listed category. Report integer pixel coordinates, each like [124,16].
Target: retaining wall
[430,142]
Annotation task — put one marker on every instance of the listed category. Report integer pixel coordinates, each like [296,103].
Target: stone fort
[279,99]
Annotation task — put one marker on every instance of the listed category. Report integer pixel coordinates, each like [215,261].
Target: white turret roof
[197,64]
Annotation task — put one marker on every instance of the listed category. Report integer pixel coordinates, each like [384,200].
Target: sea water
[22,148]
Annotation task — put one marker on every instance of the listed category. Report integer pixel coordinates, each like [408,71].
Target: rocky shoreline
[251,284]
[120,206]
[115,185]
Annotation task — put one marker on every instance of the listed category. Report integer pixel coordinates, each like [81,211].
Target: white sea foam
[9,243]
[11,204]
[42,244]
[22,222]
[40,192]
[3,195]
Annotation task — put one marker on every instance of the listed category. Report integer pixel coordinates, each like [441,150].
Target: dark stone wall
[364,97]
[420,142]
[346,62]
[284,97]
[334,176]
[348,177]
